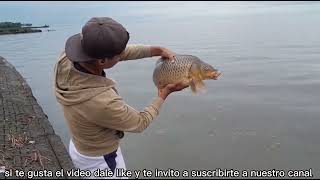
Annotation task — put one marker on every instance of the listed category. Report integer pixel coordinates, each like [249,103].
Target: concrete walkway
[27,140]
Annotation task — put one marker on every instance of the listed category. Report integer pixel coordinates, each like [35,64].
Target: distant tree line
[15,28]
[10,25]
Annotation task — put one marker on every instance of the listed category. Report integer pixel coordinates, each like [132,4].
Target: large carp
[187,69]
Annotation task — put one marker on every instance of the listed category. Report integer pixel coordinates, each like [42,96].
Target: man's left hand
[167,54]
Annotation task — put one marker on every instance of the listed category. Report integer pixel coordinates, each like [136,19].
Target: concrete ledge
[27,140]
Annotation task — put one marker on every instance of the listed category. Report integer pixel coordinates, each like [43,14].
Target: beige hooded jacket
[93,109]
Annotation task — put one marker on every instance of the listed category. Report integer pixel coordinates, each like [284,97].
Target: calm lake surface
[263,113]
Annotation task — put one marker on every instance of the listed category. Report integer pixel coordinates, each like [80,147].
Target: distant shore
[18,28]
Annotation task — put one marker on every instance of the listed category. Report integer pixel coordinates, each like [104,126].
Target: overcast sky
[167,8]
[34,11]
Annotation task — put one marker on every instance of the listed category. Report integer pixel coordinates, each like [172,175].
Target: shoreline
[27,139]
[19,28]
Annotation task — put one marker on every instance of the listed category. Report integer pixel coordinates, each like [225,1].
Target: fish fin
[193,87]
[201,86]
[198,86]
[159,61]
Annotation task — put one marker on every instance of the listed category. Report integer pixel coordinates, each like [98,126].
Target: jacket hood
[73,86]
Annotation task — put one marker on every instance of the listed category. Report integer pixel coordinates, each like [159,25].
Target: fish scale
[185,68]
[172,72]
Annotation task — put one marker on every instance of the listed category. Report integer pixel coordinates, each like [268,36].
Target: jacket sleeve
[118,115]
[135,51]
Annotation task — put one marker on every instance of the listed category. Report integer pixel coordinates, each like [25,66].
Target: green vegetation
[16,28]
[9,25]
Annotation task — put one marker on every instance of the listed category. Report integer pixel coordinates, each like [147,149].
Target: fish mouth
[214,75]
